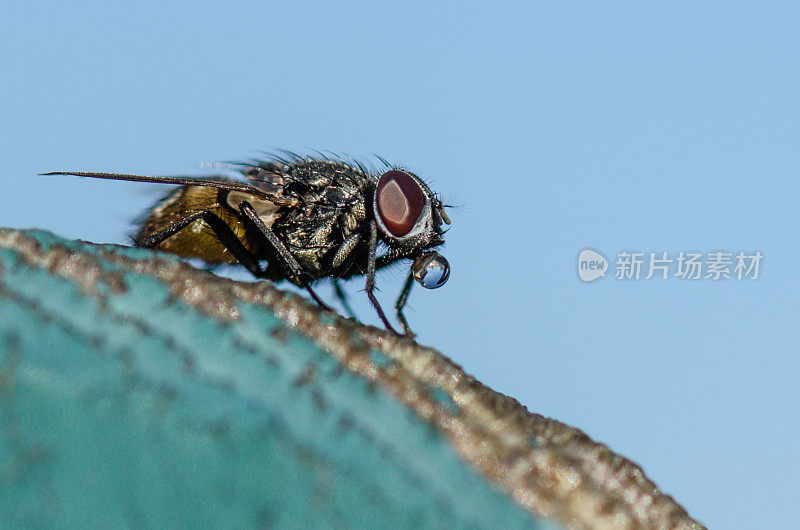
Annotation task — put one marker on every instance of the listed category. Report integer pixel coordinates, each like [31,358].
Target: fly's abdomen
[197,240]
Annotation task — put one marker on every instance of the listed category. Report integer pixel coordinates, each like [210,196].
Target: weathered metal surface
[138,391]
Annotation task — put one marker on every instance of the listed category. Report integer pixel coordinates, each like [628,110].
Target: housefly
[302,219]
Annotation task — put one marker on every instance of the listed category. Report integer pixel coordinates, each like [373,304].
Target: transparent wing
[213,181]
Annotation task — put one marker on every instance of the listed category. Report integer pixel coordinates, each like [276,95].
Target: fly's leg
[339,260]
[220,229]
[295,269]
[316,298]
[370,284]
[342,297]
[401,303]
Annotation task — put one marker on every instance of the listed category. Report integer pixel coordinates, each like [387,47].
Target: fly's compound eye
[431,270]
[399,200]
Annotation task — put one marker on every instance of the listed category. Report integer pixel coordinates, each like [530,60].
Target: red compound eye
[399,200]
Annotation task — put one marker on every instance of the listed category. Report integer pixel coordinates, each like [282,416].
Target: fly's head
[411,219]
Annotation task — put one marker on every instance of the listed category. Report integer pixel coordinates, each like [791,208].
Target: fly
[307,218]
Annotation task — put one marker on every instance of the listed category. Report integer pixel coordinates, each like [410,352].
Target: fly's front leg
[401,303]
[339,262]
[370,284]
[289,261]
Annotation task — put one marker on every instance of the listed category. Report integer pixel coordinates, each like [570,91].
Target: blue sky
[632,127]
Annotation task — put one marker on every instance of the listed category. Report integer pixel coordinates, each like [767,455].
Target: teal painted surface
[135,410]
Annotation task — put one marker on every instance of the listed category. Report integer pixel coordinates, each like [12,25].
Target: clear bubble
[431,270]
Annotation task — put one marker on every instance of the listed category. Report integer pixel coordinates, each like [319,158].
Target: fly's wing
[273,194]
